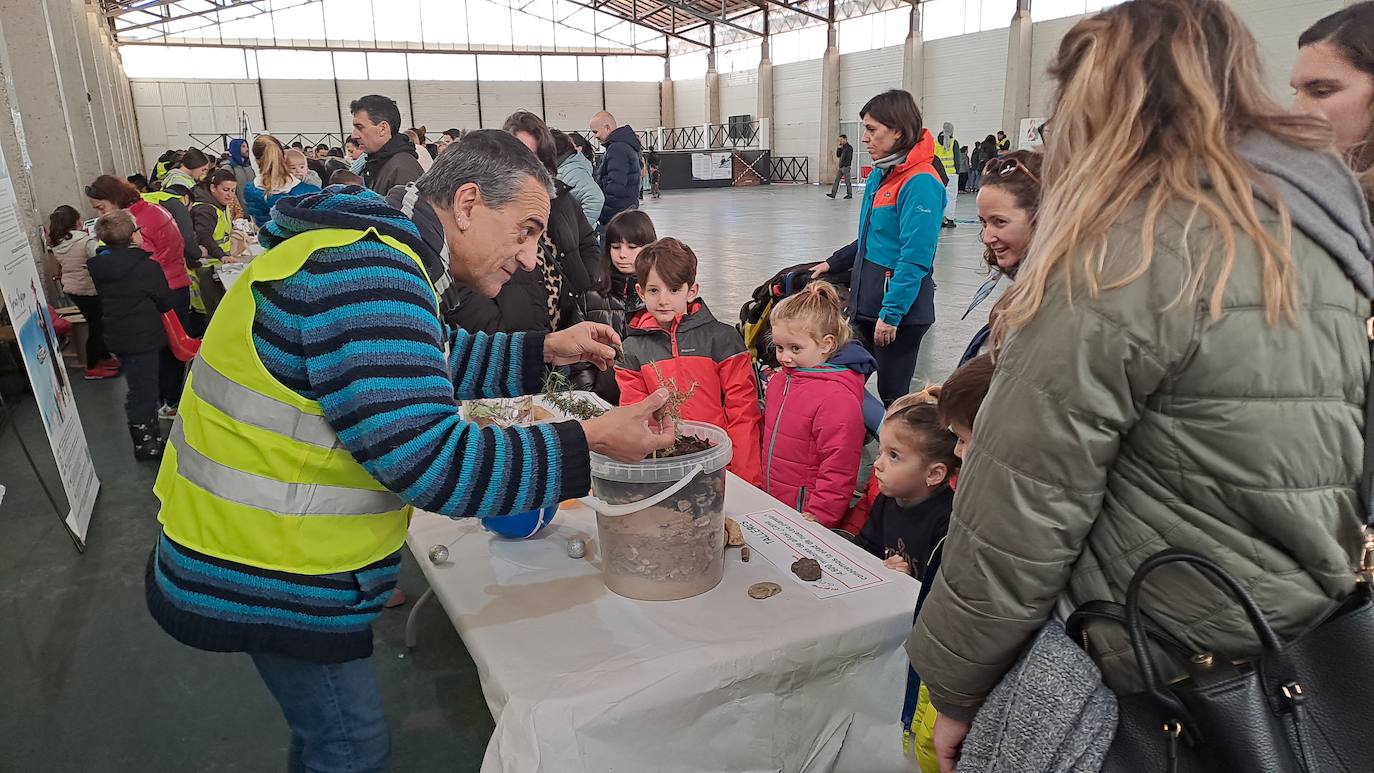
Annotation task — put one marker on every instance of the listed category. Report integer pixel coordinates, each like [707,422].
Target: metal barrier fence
[790,169]
[219,143]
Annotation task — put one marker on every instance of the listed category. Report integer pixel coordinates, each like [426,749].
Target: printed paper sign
[783,539]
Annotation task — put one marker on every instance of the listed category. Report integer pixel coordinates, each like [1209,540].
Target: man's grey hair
[496,161]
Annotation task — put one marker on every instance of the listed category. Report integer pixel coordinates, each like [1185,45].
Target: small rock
[762,590]
[734,536]
[807,569]
[744,554]
[576,548]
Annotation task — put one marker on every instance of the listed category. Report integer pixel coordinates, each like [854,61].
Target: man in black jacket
[618,174]
[845,153]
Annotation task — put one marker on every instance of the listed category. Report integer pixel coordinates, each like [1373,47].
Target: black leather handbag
[1302,706]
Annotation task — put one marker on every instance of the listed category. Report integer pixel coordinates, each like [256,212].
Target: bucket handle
[634,507]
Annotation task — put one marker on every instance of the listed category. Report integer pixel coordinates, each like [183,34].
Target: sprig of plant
[676,397]
[559,392]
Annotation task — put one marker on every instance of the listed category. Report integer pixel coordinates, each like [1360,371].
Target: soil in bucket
[675,549]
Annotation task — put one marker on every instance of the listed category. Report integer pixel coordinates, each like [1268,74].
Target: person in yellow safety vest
[1003,143]
[323,407]
[210,202]
[165,163]
[947,150]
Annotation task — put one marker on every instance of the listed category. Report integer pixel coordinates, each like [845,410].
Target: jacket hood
[849,368]
[856,358]
[66,245]
[1324,199]
[626,135]
[238,152]
[340,206]
[408,201]
[201,195]
[113,263]
[397,145]
[576,159]
[643,323]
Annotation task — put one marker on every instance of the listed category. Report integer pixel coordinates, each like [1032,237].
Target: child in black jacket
[133,295]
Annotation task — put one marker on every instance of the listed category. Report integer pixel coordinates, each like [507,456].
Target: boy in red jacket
[676,337]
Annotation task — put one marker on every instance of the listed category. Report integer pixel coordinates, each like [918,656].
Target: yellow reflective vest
[946,155]
[253,473]
[223,226]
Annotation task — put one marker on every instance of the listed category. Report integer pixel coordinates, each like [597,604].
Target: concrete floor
[90,683]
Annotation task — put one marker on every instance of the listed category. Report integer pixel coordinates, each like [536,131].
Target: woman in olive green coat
[1182,368]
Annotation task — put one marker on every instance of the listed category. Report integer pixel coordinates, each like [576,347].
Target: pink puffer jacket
[813,434]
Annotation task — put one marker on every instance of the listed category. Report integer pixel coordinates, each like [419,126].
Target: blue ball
[520,525]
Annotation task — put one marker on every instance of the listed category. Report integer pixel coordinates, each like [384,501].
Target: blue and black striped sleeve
[372,350]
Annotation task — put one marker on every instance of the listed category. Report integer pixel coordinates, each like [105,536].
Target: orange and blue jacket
[698,352]
[899,228]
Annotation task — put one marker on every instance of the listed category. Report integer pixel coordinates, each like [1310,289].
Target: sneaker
[110,363]
[850,196]
[166,412]
[97,373]
[830,195]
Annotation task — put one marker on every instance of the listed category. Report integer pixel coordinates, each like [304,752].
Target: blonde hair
[1152,97]
[271,161]
[816,310]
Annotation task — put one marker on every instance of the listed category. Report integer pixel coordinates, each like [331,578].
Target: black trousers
[96,352]
[896,361]
[141,372]
[171,372]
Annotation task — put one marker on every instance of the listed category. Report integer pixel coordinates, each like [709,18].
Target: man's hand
[883,333]
[820,268]
[631,432]
[948,737]
[584,342]
[897,564]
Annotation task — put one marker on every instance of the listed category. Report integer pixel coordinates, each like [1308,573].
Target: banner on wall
[712,166]
[1032,133]
[28,309]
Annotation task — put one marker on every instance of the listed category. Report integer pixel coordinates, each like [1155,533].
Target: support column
[14,143]
[828,165]
[667,109]
[75,97]
[712,86]
[914,61]
[106,145]
[1016,98]
[51,137]
[764,103]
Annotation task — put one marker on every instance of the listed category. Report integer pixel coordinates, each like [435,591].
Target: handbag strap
[1136,625]
[1116,613]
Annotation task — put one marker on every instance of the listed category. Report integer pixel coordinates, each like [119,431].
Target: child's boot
[147,438]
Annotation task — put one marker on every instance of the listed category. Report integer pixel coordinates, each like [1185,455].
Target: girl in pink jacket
[813,429]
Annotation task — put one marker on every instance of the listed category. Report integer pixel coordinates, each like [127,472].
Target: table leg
[414,612]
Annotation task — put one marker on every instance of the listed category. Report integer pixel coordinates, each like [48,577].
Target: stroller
[755,327]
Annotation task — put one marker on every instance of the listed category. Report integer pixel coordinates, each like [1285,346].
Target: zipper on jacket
[801,500]
[768,471]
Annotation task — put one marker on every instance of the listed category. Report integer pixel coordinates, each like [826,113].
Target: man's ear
[466,199]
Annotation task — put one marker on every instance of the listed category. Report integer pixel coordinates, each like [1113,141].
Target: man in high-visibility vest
[321,408]
[947,150]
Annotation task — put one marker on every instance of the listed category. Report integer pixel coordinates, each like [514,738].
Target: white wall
[797,111]
[689,102]
[739,93]
[865,74]
[958,92]
[169,110]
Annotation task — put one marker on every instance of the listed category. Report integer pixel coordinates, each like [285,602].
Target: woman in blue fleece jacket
[892,295]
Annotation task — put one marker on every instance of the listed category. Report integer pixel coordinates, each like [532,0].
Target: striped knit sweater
[355,329]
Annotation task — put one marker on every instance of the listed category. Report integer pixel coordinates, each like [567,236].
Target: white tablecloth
[580,679]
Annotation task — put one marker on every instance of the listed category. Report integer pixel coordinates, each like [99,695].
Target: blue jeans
[334,711]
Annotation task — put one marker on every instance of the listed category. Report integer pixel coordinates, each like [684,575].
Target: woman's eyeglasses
[1005,167]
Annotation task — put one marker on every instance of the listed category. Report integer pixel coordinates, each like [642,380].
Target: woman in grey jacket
[1205,388]
[576,172]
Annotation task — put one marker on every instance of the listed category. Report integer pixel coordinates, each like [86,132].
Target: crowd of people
[1180,360]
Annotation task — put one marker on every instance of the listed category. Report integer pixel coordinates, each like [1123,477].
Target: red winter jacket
[710,354]
[814,434]
[162,239]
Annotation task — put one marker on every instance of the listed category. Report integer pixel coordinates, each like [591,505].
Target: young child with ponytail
[813,429]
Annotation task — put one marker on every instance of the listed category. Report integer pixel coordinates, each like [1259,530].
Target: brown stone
[762,590]
[807,568]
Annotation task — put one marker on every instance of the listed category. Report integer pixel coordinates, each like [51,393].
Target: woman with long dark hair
[1334,78]
[892,293]
[1187,331]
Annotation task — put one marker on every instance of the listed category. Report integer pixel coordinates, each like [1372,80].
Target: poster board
[712,166]
[1030,136]
[22,290]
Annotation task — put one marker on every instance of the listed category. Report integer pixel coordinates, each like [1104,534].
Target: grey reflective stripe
[259,410]
[274,496]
